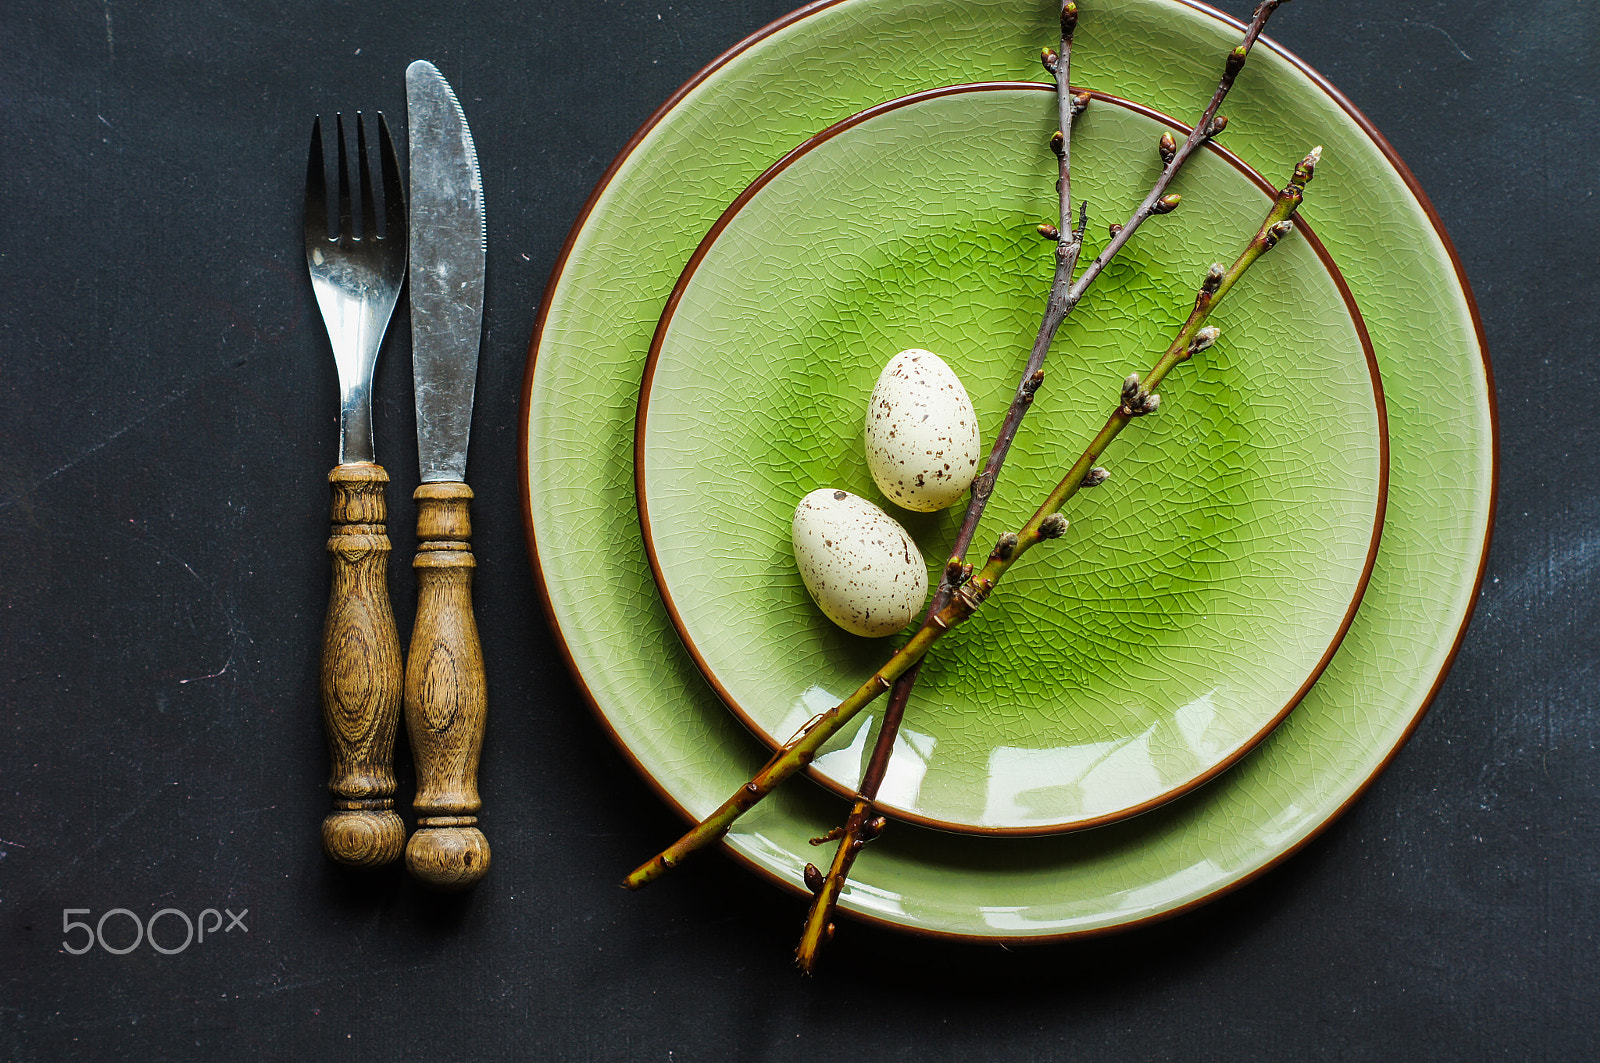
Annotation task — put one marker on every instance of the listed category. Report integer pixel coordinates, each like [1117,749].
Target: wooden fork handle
[361,677]
[445,700]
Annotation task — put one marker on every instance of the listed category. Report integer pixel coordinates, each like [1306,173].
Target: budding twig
[1063,299]
[962,591]
[1209,125]
[966,599]
[1069,244]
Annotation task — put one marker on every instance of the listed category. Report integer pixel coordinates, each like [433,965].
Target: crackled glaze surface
[1195,595]
[594,330]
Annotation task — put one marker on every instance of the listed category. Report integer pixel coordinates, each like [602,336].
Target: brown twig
[962,592]
[864,823]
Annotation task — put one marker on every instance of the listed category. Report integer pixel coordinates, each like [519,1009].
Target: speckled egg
[865,573]
[922,436]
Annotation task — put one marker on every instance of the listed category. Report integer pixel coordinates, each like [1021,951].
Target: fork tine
[316,188]
[369,208]
[394,199]
[344,182]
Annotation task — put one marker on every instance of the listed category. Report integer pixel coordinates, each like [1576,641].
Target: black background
[166,423]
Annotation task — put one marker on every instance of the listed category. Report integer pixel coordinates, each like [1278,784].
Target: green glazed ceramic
[1196,596]
[627,250]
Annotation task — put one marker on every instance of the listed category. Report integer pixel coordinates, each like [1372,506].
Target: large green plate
[1193,600]
[832,60]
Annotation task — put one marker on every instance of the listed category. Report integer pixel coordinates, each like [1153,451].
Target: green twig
[1138,398]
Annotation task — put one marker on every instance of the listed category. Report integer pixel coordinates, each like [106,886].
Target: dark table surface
[167,426]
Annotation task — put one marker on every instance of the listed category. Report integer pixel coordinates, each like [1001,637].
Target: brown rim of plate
[774,742]
[1404,171]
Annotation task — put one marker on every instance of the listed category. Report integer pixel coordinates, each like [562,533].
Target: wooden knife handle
[360,674]
[444,695]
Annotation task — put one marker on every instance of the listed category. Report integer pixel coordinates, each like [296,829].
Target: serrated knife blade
[449,255]
[445,700]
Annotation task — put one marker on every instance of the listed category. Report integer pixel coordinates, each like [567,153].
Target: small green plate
[631,242]
[1197,595]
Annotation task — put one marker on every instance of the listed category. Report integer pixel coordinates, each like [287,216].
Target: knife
[445,701]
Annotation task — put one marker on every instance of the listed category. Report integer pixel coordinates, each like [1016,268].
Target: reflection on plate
[1195,598]
[632,241]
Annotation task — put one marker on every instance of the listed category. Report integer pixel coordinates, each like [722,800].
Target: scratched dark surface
[165,425]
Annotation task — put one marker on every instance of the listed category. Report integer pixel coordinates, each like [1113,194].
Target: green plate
[634,237]
[1195,598]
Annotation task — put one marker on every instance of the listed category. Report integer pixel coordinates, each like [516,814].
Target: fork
[357,275]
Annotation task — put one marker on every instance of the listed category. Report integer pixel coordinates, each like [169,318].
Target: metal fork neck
[355,428]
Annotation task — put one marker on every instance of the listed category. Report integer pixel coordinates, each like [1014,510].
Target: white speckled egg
[859,564]
[922,436]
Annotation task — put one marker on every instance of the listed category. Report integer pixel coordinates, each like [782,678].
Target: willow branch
[1139,396]
[1211,123]
[1065,293]
[863,823]
[1047,523]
